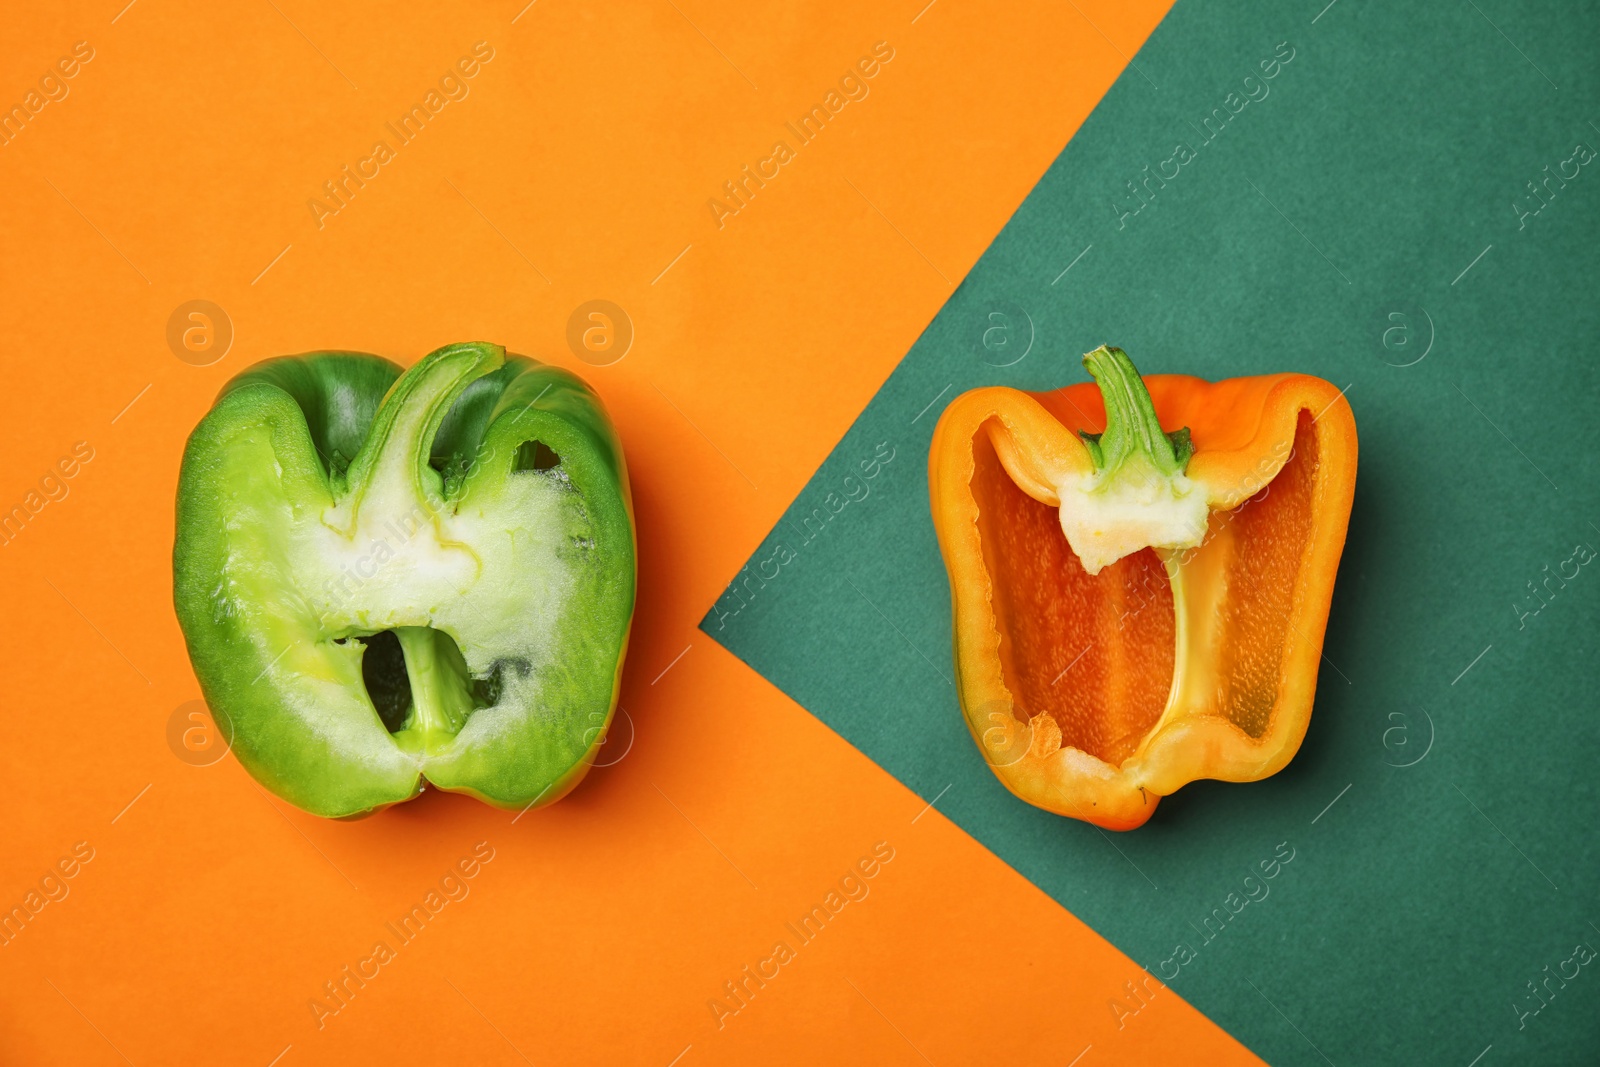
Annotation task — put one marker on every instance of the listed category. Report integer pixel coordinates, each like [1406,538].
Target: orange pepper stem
[1131,424]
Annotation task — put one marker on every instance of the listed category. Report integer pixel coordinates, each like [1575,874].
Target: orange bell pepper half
[1135,609]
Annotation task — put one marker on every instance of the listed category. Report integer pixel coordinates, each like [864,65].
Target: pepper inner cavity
[383,669]
[1096,653]
[536,456]
[419,684]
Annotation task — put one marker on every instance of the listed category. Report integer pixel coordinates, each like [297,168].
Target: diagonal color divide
[1264,254]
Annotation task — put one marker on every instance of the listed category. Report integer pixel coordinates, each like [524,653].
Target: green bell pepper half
[387,578]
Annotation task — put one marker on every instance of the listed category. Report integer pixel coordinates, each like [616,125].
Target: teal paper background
[1358,223]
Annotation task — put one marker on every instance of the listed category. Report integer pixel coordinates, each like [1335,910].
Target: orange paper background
[179,166]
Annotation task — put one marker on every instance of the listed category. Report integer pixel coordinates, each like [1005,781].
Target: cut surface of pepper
[1135,608]
[389,578]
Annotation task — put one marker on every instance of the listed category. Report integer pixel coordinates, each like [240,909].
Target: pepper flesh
[1096,682]
[475,507]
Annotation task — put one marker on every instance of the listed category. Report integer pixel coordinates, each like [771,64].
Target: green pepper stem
[1132,428]
[393,464]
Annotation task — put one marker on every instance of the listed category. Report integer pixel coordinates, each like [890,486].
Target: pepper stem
[1137,495]
[393,464]
[1131,424]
